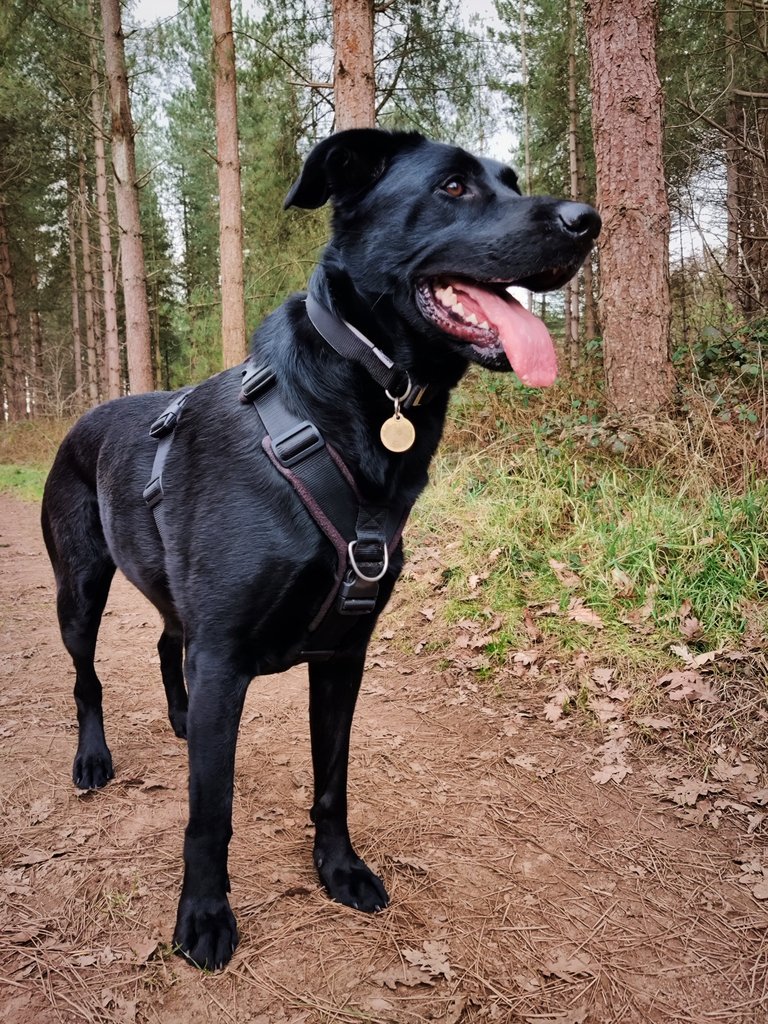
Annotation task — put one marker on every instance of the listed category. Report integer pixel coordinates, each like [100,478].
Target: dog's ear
[345,165]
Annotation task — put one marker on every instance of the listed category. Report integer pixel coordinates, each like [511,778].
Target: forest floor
[541,867]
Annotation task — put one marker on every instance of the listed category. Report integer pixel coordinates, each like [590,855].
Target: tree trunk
[731,168]
[137,328]
[14,366]
[524,83]
[77,337]
[572,290]
[36,389]
[627,109]
[111,352]
[230,203]
[90,312]
[354,83]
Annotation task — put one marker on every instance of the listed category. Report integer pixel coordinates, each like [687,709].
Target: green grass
[677,538]
[24,482]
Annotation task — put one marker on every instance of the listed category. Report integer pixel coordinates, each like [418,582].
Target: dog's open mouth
[489,319]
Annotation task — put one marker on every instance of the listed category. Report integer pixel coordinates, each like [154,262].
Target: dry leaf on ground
[565,575]
[688,685]
[432,958]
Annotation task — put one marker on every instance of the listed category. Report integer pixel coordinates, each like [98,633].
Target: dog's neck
[340,396]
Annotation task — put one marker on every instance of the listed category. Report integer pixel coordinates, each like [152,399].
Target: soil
[521,889]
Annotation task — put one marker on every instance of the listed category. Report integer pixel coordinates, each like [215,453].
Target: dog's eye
[455,188]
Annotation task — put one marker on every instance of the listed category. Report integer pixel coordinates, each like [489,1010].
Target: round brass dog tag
[397,434]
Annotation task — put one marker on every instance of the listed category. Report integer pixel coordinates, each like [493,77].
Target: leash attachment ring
[356,568]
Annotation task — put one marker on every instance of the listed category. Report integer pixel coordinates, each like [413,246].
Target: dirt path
[521,890]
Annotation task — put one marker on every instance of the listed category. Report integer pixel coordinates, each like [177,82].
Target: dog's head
[442,234]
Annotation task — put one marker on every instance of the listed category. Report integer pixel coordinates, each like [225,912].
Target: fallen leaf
[533,632]
[553,709]
[760,891]
[39,810]
[744,771]
[611,773]
[690,790]
[153,783]
[401,975]
[432,958]
[688,684]
[623,585]
[143,948]
[565,575]
[578,612]
[604,709]
[428,613]
[567,967]
[418,866]
[602,676]
[658,724]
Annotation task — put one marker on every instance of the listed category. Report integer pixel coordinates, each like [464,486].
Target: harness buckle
[357,595]
[256,380]
[153,492]
[297,443]
[168,418]
[164,424]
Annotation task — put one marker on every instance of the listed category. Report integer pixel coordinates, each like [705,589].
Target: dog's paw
[351,882]
[205,933]
[178,720]
[92,770]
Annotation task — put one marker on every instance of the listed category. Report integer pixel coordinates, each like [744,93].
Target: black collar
[353,344]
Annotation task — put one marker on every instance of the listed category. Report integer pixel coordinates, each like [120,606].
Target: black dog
[426,237]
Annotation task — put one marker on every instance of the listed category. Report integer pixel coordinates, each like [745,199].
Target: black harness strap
[162,430]
[364,535]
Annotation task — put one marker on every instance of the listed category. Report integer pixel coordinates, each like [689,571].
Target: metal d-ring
[360,576]
[400,398]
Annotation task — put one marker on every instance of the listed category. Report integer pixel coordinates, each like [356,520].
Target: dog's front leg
[333,689]
[205,931]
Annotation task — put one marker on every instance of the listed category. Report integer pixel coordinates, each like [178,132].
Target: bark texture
[354,82]
[627,118]
[88,303]
[137,327]
[37,382]
[234,348]
[14,367]
[77,337]
[572,290]
[111,338]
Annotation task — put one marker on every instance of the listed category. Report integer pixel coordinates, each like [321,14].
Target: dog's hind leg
[170,647]
[84,569]
[333,689]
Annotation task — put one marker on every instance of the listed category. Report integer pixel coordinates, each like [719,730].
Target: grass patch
[25,482]
[632,545]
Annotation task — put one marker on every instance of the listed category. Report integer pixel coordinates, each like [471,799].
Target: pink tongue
[526,340]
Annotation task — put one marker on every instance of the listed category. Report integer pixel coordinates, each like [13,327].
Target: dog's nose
[579,219]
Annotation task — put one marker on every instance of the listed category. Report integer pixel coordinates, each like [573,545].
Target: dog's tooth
[471,319]
[484,325]
[459,308]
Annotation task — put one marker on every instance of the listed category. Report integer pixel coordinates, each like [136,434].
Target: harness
[363,534]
